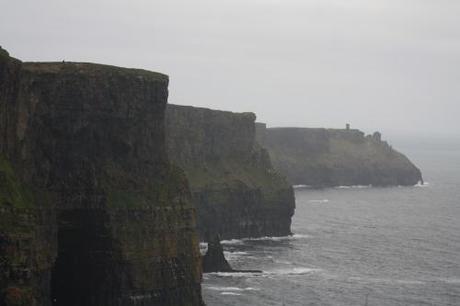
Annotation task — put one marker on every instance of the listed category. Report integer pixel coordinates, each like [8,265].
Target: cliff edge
[92,211]
[335,157]
[235,189]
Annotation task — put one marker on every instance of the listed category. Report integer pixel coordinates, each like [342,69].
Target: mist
[385,65]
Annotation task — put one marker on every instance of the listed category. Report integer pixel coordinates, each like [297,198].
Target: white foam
[300,236]
[217,288]
[276,272]
[292,271]
[233,274]
[265,238]
[301,186]
[230,293]
[422,185]
[318,201]
[234,255]
[280,238]
[354,186]
[232,242]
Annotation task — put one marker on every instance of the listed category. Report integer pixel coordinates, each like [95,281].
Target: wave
[422,185]
[269,273]
[234,255]
[353,186]
[218,288]
[319,201]
[234,274]
[232,242]
[230,293]
[301,186]
[265,238]
[292,271]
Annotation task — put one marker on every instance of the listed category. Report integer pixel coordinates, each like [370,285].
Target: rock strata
[235,189]
[92,211]
[335,157]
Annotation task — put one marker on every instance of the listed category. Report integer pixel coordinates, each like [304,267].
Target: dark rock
[214,259]
[334,157]
[235,189]
[91,210]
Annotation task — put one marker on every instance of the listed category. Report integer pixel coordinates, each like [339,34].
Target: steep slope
[93,213]
[235,190]
[334,157]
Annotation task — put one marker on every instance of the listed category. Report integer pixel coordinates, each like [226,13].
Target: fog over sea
[357,246]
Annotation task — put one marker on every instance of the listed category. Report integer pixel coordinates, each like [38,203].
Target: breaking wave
[266,238]
[230,293]
[300,186]
[276,272]
[218,288]
[354,187]
[319,201]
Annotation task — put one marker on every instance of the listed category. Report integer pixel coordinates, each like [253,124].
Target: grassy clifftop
[333,157]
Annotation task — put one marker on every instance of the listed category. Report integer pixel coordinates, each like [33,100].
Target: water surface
[357,246]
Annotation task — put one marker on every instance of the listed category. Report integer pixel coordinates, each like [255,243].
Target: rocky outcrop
[92,211]
[334,157]
[235,190]
[214,259]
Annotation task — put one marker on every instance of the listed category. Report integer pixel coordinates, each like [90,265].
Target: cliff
[234,188]
[92,211]
[335,157]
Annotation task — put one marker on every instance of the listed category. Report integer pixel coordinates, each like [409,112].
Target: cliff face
[333,157]
[92,211]
[234,188]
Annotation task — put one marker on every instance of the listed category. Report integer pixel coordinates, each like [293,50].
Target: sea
[358,245]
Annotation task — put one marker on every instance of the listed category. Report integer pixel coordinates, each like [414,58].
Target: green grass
[12,192]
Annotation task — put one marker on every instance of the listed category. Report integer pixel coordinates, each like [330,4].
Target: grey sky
[389,65]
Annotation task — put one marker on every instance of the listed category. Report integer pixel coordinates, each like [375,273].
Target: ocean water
[357,246]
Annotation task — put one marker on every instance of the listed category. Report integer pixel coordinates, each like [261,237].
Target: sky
[387,65]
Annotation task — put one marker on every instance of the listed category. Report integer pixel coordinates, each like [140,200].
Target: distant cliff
[235,189]
[92,211]
[334,157]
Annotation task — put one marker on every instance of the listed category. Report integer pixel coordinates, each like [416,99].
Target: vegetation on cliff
[334,157]
[235,189]
[87,190]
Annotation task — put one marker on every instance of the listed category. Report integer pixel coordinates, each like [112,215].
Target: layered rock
[235,189]
[92,211]
[333,157]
